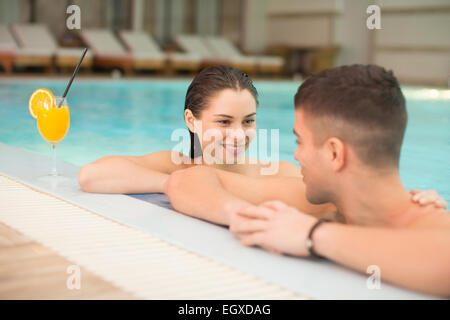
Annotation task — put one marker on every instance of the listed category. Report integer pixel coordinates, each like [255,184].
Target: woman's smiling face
[228,122]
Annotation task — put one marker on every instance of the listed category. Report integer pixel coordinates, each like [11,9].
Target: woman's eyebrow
[223,115]
[231,117]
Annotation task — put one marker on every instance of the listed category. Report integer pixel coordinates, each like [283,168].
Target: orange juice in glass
[52,116]
[53,124]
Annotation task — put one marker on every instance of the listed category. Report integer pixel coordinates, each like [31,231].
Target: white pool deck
[309,278]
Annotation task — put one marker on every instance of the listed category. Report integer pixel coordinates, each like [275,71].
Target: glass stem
[54,172]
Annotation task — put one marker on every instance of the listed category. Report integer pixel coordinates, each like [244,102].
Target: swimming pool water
[138,117]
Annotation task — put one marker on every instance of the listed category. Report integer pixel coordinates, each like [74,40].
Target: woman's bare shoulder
[289,169]
[275,168]
[166,161]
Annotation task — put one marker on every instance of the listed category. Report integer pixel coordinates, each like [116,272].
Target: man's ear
[336,149]
[189,118]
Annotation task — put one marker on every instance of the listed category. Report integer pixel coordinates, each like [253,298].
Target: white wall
[415,29]
[9,11]
[206,17]
[351,33]
[412,4]
[253,38]
[177,17]
[304,6]
[301,23]
[413,41]
[159,16]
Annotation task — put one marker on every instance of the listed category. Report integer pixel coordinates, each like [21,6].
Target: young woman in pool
[224,100]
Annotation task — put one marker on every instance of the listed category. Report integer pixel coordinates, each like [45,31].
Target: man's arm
[417,259]
[414,258]
[204,192]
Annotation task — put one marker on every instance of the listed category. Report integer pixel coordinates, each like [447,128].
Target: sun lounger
[195,45]
[37,47]
[8,47]
[31,53]
[145,52]
[107,50]
[148,55]
[225,47]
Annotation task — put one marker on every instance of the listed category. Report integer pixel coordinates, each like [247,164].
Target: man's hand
[427,197]
[273,226]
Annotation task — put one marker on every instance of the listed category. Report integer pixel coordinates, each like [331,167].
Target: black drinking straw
[73,76]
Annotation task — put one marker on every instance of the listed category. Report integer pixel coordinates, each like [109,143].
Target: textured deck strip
[135,261]
[31,271]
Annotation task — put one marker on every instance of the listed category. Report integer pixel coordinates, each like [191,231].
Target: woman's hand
[274,226]
[427,197]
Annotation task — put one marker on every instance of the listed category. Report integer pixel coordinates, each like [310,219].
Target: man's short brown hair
[361,104]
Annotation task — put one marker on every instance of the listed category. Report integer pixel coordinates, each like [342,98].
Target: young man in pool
[349,125]
[224,100]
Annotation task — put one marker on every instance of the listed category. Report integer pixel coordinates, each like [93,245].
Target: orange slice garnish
[41,98]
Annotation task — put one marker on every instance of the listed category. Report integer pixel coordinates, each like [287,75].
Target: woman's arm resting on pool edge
[198,192]
[203,192]
[127,174]
[416,258]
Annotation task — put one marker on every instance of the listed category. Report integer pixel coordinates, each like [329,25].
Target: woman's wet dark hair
[205,85]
